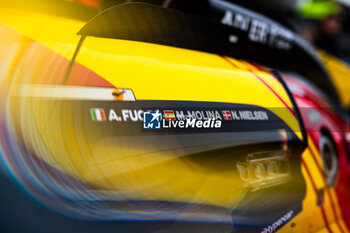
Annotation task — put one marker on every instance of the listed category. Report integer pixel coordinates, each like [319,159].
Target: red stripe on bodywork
[265,83]
[327,188]
[315,189]
[273,91]
[306,168]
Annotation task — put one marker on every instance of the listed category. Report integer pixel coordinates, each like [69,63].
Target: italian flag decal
[98,114]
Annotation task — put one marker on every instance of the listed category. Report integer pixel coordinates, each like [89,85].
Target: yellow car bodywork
[36,50]
[340,72]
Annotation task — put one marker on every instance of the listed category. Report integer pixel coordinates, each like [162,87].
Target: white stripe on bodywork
[70,92]
[98,114]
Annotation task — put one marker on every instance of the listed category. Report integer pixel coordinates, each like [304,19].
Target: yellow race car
[151,113]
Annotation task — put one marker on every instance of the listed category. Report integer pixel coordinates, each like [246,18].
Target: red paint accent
[314,158]
[325,219]
[49,67]
[228,61]
[273,91]
[315,189]
[90,3]
[266,84]
[256,66]
[307,97]
[82,76]
[103,115]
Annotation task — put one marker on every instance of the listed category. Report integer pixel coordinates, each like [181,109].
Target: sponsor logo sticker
[152,120]
[123,94]
[179,118]
[258,30]
[279,223]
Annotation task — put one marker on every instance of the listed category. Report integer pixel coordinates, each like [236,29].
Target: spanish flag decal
[169,115]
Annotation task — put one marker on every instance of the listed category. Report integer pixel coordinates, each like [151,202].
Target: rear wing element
[222,28]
